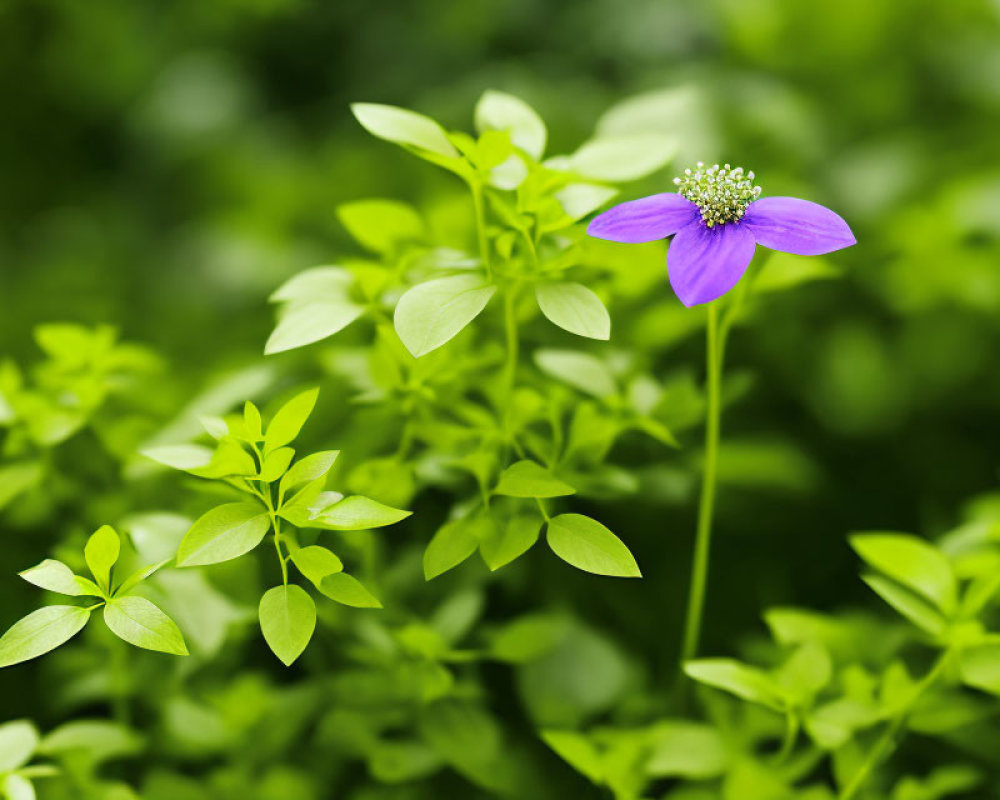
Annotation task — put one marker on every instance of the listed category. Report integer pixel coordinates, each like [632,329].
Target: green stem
[510,333]
[887,741]
[477,202]
[791,735]
[706,506]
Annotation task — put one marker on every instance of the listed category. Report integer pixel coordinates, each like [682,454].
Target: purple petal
[705,263]
[644,220]
[797,226]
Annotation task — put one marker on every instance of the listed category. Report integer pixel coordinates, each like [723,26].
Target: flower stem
[478,205]
[510,334]
[887,741]
[706,506]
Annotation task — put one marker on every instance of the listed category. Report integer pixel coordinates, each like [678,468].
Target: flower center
[722,193]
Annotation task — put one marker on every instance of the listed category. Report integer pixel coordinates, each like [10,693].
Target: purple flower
[717,220]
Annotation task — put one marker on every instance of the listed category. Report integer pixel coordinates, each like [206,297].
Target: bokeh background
[164,166]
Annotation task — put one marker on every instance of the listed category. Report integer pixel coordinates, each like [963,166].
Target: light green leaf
[690,750]
[785,271]
[509,541]
[139,576]
[223,533]
[317,283]
[430,314]
[306,470]
[18,478]
[453,543]
[913,562]
[17,787]
[40,632]
[580,370]
[979,666]
[91,740]
[18,741]
[54,576]
[276,463]
[909,604]
[625,157]
[578,751]
[528,479]
[348,590]
[229,459]
[381,225]
[580,199]
[287,620]
[305,322]
[101,552]
[137,621]
[588,545]
[180,456]
[289,419]
[358,513]
[498,111]
[316,562]
[573,307]
[737,678]
[404,127]
[252,421]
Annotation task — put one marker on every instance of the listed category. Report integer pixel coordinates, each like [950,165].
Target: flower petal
[797,226]
[644,220]
[705,263]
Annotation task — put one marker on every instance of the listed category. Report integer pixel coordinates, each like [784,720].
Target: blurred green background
[164,166]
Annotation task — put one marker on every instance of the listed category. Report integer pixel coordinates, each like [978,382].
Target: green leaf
[40,632]
[528,479]
[509,541]
[979,667]
[358,513]
[690,750]
[17,787]
[224,533]
[101,553]
[784,271]
[303,323]
[453,543]
[381,225]
[404,127]
[913,562]
[328,282]
[18,478]
[18,742]
[229,459]
[579,199]
[137,621]
[737,678]
[430,314]
[54,576]
[573,307]
[625,157]
[276,463]
[252,421]
[316,562]
[92,741]
[498,111]
[909,604]
[306,470]
[578,751]
[139,576]
[289,419]
[588,545]
[287,620]
[180,456]
[580,370]
[348,590]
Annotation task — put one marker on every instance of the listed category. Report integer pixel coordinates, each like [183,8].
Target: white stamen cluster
[722,193]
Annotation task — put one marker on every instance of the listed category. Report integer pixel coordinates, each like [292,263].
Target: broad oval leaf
[453,543]
[303,323]
[326,282]
[580,370]
[180,456]
[137,621]
[737,678]
[509,541]
[289,419]
[101,553]
[306,470]
[913,562]
[908,603]
[276,463]
[224,533]
[528,479]
[316,562]
[626,157]
[979,666]
[381,225]
[54,576]
[357,513]
[287,620]
[588,545]
[498,111]
[348,590]
[404,127]
[430,314]
[40,632]
[18,741]
[574,308]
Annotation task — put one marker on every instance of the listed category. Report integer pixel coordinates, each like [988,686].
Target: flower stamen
[721,193]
